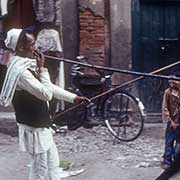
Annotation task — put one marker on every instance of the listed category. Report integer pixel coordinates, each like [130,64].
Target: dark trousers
[170,136]
[175,166]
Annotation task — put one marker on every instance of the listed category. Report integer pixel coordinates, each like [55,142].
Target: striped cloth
[44,10]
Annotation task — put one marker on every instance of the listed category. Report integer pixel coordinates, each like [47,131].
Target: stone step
[8,123]
[153,118]
[6,109]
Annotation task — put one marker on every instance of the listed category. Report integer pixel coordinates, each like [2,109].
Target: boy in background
[170,115]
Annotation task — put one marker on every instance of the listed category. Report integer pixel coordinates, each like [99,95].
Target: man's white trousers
[45,164]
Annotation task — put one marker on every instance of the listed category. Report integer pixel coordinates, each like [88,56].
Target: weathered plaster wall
[97,6]
[120,17]
[70,31]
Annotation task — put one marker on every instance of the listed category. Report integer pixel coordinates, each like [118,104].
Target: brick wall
[92,38]
[93,34]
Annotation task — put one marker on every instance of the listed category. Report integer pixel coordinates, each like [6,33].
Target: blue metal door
[156,34]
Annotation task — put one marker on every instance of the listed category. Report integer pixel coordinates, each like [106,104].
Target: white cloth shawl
[16,67]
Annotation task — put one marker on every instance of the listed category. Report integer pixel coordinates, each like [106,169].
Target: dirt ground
[96,152]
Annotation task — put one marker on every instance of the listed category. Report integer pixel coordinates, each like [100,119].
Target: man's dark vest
[30,110]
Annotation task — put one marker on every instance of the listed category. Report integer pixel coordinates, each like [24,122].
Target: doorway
[156,43]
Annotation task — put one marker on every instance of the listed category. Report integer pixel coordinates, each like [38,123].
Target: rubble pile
[145,151]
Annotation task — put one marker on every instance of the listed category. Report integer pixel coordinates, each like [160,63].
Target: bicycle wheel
[123,115]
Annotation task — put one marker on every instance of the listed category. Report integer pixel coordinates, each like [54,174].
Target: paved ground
[96,152]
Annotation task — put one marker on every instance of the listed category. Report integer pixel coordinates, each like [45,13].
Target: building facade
[141,35]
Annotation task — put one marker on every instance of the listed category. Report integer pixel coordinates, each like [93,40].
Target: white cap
[12,38]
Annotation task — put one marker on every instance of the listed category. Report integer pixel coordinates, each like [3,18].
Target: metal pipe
[115,69]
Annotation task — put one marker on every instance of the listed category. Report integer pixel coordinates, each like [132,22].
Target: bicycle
[122,113]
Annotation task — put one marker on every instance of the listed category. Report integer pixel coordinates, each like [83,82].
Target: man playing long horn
[27,85]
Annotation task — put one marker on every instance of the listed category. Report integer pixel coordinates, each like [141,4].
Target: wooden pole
[116,88]
[152,74]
